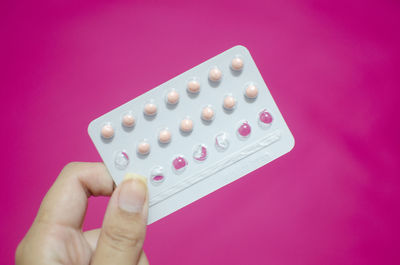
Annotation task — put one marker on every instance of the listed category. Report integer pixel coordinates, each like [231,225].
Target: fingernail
[133,193]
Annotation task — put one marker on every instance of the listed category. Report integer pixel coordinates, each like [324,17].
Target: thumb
[124,226]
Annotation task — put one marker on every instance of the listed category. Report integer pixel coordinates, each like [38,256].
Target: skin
[56,235]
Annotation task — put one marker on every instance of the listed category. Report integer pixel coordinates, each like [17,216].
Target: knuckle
[71,166]
[71,169]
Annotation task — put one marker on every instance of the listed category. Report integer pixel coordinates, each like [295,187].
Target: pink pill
[150,109]
[237,64]
[128,120]
[193,86]
[207,114]
[215,74]
[172,97]
[143,148]
[164,136]
[265,117]
[244,129]
[251,91]
[186,125]
[107,131]
[229,102]
[179,163]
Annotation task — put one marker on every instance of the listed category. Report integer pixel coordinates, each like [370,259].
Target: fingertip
[133,193]
[129,176]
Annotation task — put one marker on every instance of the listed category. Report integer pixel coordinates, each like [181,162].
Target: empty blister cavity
[208,113]
[107,131]
[150,108]
[164,136]
[237,63]
[229,102]
[179,164]
[193,86]
[215,74]
[172,97]
[221,141]
[251,91]
[157,175]
[121,160]
[244,129]
[128,120]
[186,125]
[143,148]
[200,152]
[265,118]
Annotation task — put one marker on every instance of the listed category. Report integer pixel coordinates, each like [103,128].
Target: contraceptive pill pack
[195,133]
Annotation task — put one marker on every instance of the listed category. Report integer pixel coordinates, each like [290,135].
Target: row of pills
[200,151]
[172,97]
[186,126]
[193,87]
[221,141]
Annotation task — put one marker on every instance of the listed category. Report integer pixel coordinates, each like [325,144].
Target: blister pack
[195,133]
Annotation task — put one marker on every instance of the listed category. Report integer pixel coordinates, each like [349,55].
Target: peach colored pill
[107,131]
[193,86]
[143,148]
[164,136]
[186,125]
[229,102]
[128,120]
[237,64]
[251,91]
[172,97]
[215,74]
[207,114]
[150,109]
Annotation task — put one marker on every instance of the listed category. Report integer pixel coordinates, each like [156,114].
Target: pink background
[333,69]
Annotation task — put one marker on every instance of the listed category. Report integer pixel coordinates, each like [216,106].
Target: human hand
[56,235]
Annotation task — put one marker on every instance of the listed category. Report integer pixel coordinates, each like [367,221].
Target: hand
[56,235]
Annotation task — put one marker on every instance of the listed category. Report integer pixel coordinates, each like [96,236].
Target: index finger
[66,201]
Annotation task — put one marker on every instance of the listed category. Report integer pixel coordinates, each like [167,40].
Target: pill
[244,129]
[150,109]
[172,97]
[237,64]
[251,91]
[215,74]
[164,136]
[186,125]
[193,86]
[179,163]
[128,120]
[229,102]
[265,117]
[107,131]
[143,148]
[207,113]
